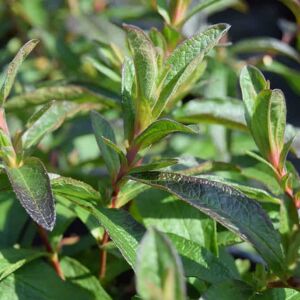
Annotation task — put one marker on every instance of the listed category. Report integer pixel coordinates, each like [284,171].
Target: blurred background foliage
[79,58]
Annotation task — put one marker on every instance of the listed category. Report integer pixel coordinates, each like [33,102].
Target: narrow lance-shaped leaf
[159,129]
[252,82]
[103,129]
[231,208]
[31,185]
[127,98]
[159,272]
[13,68]
[187,51]
[176,84]
[47,119]
[144,58]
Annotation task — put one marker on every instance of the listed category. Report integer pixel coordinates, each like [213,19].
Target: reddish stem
[53,255]
[103,256]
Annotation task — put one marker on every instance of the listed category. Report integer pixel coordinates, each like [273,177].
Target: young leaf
[13,259]
[252,82]
[163,9]
[127,98]
[158,130]
[31,185]
[177,84]
[103,129]
[159,273]
[193,47]
[13,69]
[231,208]
[144,58]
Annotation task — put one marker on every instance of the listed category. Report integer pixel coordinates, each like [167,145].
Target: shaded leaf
[159,273]
[231,208]
[13,259]
[31,184]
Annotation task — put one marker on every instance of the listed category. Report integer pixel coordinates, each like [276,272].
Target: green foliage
[180,185]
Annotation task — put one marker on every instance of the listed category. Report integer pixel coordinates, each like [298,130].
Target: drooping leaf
[103,129]
[159,272]
[265,44]
[31,185]
[227,112]
[158,130]
[193,47]
[78,274]
[48,119]
[12,259]
[13,68]
[231,208]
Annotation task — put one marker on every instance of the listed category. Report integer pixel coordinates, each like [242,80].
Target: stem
[53,255]
[103,256]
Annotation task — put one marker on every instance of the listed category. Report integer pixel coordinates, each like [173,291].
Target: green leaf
[129,191]
[163,9]
[200,43]
[252,82]
[170,215]
[47,119]
[31,185]
[158,130]
[228,206]
[265,44]
[127,98]
[228,290]
[198,8]
[294,6]
[103,129]
[159,164]
[12,219]
[126,233]
[144,58]
[29,283]
[116,149]
[227,112]
[13,259]
[278,294]
[268,123]
[159,272]
[13,69]
[78,274]
[71,92]
[177,84]
[106,71]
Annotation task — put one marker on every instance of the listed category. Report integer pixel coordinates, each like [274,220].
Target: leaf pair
[265,115]
[148,86]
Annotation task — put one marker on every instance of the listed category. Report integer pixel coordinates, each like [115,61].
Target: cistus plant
[193,195]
